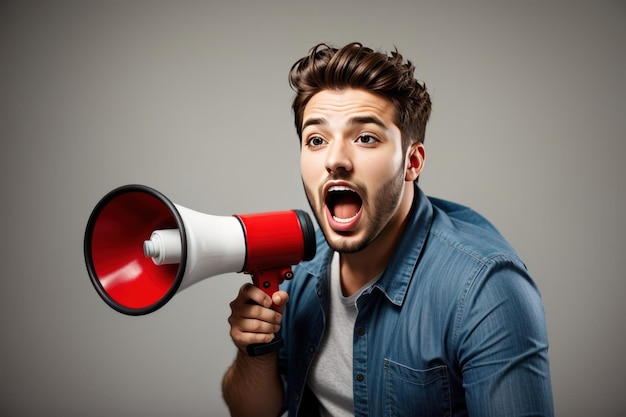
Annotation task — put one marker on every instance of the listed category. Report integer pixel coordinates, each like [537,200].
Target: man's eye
[315,141]
[367,139]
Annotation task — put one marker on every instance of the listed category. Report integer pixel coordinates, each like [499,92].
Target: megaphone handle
[269,281]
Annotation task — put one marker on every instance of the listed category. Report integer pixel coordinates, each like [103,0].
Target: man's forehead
[355,106]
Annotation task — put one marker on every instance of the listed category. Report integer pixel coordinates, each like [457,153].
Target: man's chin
[343,242]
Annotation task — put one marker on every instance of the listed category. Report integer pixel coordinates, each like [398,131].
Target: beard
[381,207]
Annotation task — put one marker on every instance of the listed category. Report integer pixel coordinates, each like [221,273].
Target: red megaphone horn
[141,249]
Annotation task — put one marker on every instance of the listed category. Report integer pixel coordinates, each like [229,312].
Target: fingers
[249,292]
[252,318]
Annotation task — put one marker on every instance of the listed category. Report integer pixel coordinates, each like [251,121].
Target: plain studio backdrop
[192,98]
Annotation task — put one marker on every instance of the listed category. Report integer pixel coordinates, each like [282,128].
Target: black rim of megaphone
[308,233]
[88,252]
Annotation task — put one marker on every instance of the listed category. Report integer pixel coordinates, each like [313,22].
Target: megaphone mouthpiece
[150,250]
[164,247]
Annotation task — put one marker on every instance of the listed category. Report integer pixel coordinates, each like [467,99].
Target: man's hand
[252,319]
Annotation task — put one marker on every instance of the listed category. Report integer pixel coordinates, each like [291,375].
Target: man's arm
[252,385]
[503,346]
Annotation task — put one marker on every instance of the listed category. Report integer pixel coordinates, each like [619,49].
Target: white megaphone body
[141,249]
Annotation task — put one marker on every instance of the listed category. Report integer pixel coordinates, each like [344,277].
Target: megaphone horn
[141,249]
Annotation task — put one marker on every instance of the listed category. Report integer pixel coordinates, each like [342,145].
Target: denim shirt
[453,327]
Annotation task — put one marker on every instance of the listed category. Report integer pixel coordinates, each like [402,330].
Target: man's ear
[415,161]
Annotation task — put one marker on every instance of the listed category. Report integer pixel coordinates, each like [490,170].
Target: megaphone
[141,249]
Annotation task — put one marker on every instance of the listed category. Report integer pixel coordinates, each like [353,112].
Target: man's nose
[338,157]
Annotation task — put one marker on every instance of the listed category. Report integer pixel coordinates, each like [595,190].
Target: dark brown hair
[356,66]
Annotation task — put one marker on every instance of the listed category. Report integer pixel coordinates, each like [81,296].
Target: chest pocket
[413,392]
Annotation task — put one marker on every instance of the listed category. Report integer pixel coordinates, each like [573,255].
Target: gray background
[192,99]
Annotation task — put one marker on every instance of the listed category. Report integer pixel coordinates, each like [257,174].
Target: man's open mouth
[343,203]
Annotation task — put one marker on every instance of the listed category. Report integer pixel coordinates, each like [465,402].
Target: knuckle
[257,327]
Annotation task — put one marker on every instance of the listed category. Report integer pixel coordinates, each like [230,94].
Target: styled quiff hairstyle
[358,67]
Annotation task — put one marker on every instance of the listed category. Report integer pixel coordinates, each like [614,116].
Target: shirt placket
[359,364]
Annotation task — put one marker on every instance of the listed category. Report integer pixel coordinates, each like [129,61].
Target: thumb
[280,298]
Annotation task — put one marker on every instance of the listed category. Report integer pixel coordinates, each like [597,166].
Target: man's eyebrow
[313,122]
[364,120]
[357,120]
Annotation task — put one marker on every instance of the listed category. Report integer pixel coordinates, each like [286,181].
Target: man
[412,305]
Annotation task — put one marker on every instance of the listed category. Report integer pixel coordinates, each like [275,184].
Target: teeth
[340,188]
[340,220]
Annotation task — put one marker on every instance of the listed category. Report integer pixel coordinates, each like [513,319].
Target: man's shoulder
[463,229]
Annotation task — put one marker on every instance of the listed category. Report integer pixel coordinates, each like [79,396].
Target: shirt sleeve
[502,343]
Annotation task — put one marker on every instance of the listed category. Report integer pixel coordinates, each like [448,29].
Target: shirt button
[311,349]
[360,377]
[360,331]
